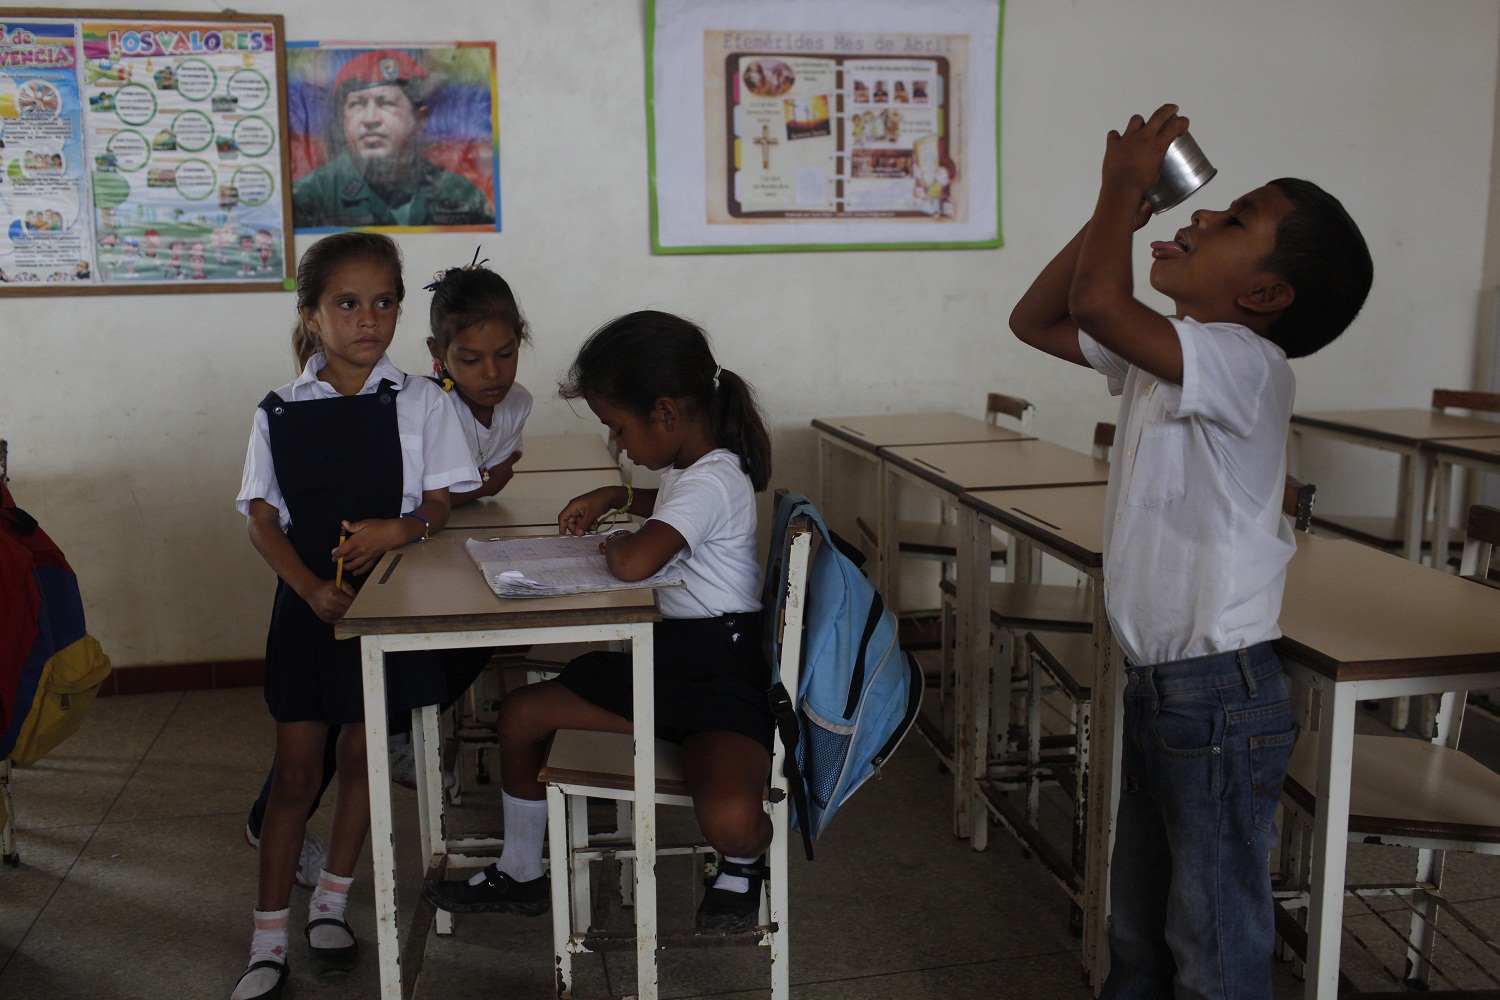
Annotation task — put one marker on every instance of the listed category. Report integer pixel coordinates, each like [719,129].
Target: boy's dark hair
[316,267]
[1321,252]
[466,296]
[637,359]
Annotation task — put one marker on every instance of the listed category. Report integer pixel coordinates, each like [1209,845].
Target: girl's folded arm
[637,555]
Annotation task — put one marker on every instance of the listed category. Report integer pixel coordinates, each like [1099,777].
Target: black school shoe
[726,912]
[498,893]
[281,977]
[331,961]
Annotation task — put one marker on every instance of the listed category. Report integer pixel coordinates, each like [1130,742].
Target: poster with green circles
[142,152]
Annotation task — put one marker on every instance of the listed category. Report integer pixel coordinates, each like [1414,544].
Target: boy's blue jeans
[1206,743]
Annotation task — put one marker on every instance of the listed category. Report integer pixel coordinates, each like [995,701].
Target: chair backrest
[792,570]
[998,404]
[1297,502]
[1462,399]
[1104,440]
[1481,535]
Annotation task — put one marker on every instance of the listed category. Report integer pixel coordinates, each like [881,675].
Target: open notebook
[552,565]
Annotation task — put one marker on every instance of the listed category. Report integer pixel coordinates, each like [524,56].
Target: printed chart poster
[140,153]
[186,153]
[43,171]
[394,138]
[833,125]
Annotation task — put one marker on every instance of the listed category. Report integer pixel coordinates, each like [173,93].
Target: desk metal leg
[644,706]
[1442,498]
[382,836]
[825,472]
[1106,747]
[1330,840]
[889,563]
[1420,467]
[971,678]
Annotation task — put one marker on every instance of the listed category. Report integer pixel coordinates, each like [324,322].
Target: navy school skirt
[711,675]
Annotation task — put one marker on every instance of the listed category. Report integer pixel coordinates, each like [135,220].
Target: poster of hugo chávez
[393,138]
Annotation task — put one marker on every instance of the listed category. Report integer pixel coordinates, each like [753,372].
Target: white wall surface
[127,416]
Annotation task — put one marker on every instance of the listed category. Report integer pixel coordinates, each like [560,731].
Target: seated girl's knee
[741,829]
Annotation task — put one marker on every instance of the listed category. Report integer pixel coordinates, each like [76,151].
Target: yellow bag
[66,689]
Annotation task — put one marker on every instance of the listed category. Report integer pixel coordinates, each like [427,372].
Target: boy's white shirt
[433,451]
[1195,543]
[711,503]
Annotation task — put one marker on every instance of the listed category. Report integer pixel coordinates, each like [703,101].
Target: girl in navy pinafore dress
[348,461]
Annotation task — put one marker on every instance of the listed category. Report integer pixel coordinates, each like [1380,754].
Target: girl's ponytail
[305,343]
[736,422]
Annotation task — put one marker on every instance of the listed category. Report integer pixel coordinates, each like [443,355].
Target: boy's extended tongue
[1167,248]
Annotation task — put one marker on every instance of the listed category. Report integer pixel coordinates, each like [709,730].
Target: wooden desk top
[561,452]
[566,484]
[889,430]
[1404,427]
[1069,519]
[1351,612]
[434,586]
[506,511]
[993,465]
[1485,449]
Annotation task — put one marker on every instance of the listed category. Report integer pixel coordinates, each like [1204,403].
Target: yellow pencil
[338,574]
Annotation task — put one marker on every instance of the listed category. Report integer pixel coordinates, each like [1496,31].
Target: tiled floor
[134,881]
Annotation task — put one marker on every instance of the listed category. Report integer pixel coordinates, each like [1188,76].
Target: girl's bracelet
[426,525]
[612,535]
[614,516]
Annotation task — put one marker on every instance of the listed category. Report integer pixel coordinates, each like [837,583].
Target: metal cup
[1184,171]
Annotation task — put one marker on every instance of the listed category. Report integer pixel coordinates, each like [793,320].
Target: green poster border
[657,248]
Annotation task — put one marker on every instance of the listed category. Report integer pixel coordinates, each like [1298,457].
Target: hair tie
[718,369]
[438,277]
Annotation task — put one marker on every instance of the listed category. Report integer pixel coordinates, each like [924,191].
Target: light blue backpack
[859,691]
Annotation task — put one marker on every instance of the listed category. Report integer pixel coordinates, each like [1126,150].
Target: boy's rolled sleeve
[1225,370]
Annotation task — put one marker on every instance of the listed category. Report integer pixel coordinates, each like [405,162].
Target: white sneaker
[404,763]
[309,864]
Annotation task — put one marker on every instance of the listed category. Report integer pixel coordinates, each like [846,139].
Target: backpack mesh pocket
[823,751]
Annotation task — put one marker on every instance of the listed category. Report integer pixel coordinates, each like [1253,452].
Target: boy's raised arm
[1041,318]
[1102,297]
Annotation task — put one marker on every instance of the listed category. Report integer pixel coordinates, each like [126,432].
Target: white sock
[329,899]
[525,833]
[734,883]
[268,942]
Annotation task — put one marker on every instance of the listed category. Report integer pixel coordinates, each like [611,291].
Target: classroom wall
[127,416]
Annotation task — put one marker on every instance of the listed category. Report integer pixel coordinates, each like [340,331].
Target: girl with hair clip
[348,461]
[651,378]
[477,333]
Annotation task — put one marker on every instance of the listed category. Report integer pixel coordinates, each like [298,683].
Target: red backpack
[50,667]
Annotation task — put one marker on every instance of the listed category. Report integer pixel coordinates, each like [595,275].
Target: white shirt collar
[384,369]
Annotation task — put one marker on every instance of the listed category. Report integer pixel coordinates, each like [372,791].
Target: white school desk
[567,483]
[506,511]
[947,470]
[563,452]
[431,596]
[1407,432]
[1482,454]
[865,436]
[1067,523]
[1360,624]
